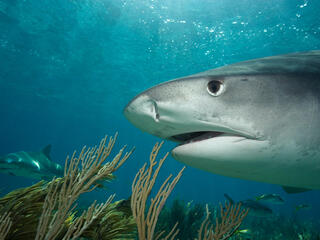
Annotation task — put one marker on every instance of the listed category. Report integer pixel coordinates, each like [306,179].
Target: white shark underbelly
[250,159]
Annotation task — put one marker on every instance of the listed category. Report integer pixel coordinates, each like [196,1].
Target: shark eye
[215,88]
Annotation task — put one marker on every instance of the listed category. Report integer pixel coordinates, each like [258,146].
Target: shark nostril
[156,113]
[157,117]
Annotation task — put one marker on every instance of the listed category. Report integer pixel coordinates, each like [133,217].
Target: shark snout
[143,106]
[143,113]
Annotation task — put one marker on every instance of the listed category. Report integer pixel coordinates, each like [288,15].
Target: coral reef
[193,223]
[283,227]
[81,175]
[47,210]
[231,217]
[189,217]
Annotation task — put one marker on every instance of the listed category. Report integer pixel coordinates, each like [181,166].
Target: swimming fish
[244,233]
[256,209]
[256,120]
[271,198]
[302,206]
[36,165]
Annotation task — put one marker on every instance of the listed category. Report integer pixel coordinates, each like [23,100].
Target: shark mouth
[191,137]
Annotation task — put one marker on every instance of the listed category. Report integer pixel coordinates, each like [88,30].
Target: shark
[36,165]
[256,120]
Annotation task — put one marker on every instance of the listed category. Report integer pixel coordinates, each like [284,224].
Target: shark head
[212,125]
[246,120]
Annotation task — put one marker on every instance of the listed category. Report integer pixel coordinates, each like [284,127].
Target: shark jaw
[222,153]
[196,144]
[225,153]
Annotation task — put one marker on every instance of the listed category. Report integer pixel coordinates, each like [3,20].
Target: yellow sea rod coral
[81,175]
[231,217]
[141,189]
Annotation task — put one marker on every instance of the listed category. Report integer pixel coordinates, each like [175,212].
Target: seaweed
[115,222]
[25,207]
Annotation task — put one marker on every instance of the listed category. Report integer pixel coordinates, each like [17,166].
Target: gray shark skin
[36,165]
[257,120]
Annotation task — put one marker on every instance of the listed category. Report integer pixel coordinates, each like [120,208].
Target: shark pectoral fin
[291,190]
[46,151]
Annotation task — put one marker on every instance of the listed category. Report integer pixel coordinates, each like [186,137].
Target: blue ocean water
[68,68]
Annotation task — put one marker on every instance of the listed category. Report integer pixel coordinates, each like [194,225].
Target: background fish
[271,198]
[37,165]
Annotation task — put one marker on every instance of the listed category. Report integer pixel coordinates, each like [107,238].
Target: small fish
[271,198]
[302,206]
[70,218]
[244,233]
[189,204]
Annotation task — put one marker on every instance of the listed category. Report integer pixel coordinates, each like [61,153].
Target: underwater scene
[160,119]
